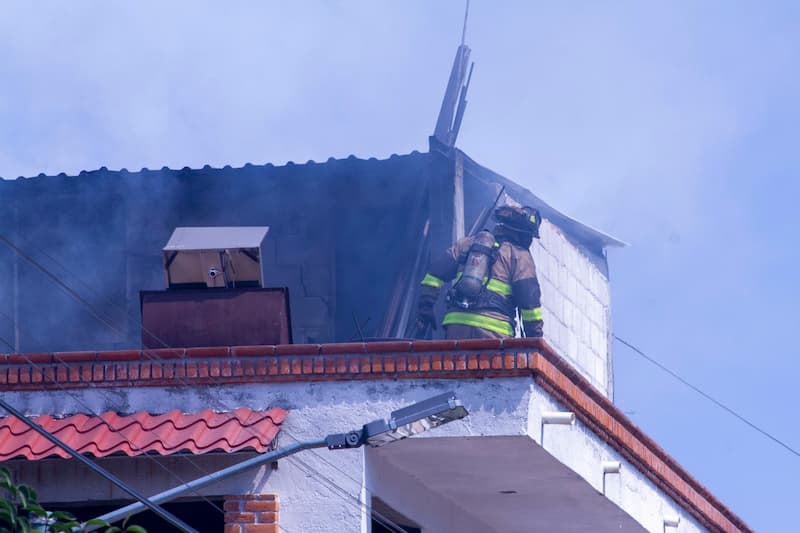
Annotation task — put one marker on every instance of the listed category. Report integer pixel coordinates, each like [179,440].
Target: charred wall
[340,235]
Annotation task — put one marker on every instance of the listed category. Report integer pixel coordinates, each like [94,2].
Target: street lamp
[402,423]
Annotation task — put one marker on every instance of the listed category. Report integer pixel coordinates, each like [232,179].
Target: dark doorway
[203,515]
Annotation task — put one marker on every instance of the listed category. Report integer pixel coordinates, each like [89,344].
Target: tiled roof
[140,433]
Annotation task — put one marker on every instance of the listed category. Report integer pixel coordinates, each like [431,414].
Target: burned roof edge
[248,165]
[563,221]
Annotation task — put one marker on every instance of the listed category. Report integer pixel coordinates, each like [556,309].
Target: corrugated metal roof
[569,224]
[206,168]
[140,433]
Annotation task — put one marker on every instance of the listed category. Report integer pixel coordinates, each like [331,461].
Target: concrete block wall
[575,304]
[304,264]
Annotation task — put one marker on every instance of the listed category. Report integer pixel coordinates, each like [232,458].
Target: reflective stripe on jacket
[512,277]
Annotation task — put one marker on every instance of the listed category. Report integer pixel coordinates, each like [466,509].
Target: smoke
[189,84]
[672,127]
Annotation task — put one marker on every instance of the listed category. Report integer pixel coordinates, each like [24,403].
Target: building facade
[543,447]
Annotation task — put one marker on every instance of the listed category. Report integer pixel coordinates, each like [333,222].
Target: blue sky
[671,125]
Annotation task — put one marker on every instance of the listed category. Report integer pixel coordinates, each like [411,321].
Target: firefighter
[494,277]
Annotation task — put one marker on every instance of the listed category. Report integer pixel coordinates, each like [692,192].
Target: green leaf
[12,489]
[23,500]
[5,475]
[35,508]
[7,517]
[97,522]
[63,515]
[29,492]
[113,529]
[9,512]
[135,529]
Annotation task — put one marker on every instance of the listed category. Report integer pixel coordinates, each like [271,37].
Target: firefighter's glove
[425,315]
[533,329]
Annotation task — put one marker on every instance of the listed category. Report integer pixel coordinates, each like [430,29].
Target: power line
[708,396]
[4,341]
[75,295]
[91,411]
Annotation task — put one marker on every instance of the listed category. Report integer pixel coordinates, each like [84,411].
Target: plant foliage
[20,512]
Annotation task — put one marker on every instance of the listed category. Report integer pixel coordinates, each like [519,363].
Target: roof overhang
[508,484]
[143,433]
[577,229]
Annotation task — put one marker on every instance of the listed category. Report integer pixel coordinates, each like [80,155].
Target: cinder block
[569,314]
[600,372]
[309,312]
[311,335]
[585,267]
[545,234]
[316,280]
[573,294]
[268,250]
[552,267]
[553,297]
[312,251]
[592,280]
[586,329]
[553,332]
[284,276]
[586,299]
[585,358]
[563,277]
[601,314]
[605,292]
[596,338]
[572,344]
[539,260]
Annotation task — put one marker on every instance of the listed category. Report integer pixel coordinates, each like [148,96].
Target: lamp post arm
[143,501]
[211,478]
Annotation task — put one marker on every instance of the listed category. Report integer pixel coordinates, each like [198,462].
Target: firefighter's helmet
[525,220]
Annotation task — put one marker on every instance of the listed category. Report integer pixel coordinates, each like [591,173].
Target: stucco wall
[321,490]
[575,304]
[583,452]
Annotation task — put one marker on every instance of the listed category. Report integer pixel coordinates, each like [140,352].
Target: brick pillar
[251,513]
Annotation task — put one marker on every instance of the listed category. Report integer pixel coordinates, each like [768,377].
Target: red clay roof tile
[139,433]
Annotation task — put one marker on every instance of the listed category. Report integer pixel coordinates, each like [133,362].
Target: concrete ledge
[399,360]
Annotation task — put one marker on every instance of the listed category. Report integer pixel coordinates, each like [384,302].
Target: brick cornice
[464,359]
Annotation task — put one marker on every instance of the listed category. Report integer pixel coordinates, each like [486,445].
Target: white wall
[576,305]
[321,491]
[584,453]
[326,492]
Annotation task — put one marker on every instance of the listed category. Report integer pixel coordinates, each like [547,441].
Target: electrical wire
[74,294]
[708,396]
[4,341]
[350,498]
[85,302]
[91,411]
